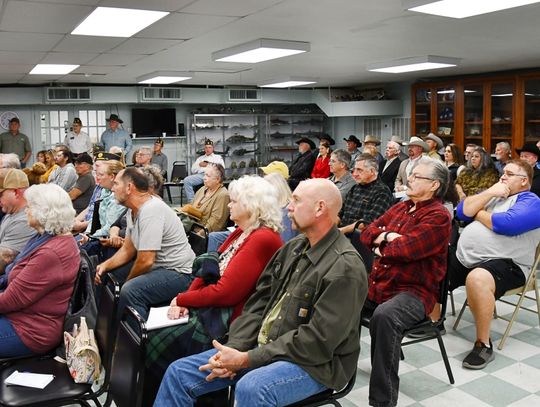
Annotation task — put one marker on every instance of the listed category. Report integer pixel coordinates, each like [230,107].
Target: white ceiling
[345,37]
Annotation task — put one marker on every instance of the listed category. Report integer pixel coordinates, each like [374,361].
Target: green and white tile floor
[512,379]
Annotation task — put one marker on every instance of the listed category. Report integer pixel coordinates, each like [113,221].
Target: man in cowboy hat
[435,144]
[78,141]
[416,147]
[352,148]
[301,167]
[199,167]
[371,142]
[115,136]
[531,153]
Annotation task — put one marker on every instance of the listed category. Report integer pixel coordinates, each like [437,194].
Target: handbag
[82,354]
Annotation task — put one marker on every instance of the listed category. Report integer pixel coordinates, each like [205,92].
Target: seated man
[495,249]
[388,169]
[410,244]
[82,191]
[340,160]
[159,158]
[302,165]
[290,341]
[156,240]
[368,199]
[198,168]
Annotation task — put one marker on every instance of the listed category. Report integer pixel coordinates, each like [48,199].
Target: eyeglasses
[511,174]
[414,177]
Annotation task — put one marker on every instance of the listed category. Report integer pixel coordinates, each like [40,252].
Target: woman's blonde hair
[284,194]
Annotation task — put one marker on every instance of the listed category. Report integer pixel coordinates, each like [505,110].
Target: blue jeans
[388,322]
[216,239]
[10,343]
[190,182]
[277,384]
[157,287]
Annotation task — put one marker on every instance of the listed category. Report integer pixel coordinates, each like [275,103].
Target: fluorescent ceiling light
[117,22]
[462,8]
[164,78]
[52,69]
[502,95]
[414,64]
[260,50]
[287,82]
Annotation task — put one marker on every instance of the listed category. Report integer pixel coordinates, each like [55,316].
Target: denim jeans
[277,384]
[216,239]
[388,322]
[157,287]
[10,343]
[190,182]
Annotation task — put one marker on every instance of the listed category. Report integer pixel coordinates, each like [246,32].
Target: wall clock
[5,117]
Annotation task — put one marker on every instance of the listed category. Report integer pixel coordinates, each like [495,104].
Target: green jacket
[318,325]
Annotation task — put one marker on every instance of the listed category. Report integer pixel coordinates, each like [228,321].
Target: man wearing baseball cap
[14,229]
[13,141]
[160,159]
[83,189]
[115,136]
[78,141]
[198,168]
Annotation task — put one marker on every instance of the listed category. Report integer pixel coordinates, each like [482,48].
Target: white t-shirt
[212,158]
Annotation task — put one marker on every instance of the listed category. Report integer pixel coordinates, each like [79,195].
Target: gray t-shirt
[15,231]
[157,228]
[86,184]
[65,177]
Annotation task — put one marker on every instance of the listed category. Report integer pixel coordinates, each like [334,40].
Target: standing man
[83,189]
[14,229]
[296,335]
[160,159]
[410,244]
[199,167]
[156,240]
[64,175]
[353,145]
[368,199]
[502,154]
[374,142]
[78,141]
[416,148]
[301,167]
[388,169]
[435,145]
[531,153]
[13,141]
[341,176]
[495,250]
[115,136]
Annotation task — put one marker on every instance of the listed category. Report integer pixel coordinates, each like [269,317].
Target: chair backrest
[106,322]
[198,238]
[363,251]
[127,371]
[179,171]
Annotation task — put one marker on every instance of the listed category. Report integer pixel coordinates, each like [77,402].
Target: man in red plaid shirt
[410,243]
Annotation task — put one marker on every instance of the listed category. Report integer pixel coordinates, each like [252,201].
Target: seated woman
[210,202]
[453,160]
[321,169]
[41,278]
[50,164]
[242,259]
[479,174]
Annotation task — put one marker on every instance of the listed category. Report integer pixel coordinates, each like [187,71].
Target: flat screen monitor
[153,122]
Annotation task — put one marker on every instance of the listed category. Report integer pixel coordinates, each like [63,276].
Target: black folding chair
[63,390]
[198,238]
[179,172]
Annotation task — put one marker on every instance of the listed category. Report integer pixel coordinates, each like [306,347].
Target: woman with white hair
[242,258]
[41,278]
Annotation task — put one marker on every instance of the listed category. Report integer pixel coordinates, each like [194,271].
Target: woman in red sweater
[254,207]
[40,279]
[321,169]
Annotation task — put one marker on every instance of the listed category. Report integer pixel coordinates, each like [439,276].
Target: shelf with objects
[473,114]
[446,113]
[502,95]
[285,129]
[532,110]
[422,111]
[237,138]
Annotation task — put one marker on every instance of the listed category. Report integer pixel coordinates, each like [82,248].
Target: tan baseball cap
[13,179]
[276,166]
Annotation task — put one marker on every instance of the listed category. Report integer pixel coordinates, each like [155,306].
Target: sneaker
[479,357]
[422,334]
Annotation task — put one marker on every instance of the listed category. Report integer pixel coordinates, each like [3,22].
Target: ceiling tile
[184,26]
[145,46]
[16,68]
[10,78]
[96,69]
[116,59]
[162,5]
[68,58]
[77,43]
[10,41]
[78,2]
[229,8]
[20,58]
[23,16]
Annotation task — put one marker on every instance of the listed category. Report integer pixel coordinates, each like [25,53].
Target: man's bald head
[322,189]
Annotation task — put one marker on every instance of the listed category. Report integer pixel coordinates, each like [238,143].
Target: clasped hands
[225,363]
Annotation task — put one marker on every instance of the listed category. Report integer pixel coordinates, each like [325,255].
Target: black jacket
[301,168]
[389,176]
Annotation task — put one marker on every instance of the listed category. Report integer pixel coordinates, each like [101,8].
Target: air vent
[68,94]
[244,95]
[161,94]
[372,127]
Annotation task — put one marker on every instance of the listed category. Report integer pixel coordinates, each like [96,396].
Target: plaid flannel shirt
[366,202]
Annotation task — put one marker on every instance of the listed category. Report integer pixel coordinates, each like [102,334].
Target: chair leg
[537,300]
[168,193]
[401,355]
[511,321]
[452,304]
[460,315]
[445,358]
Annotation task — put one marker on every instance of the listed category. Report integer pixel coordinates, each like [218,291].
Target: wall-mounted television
[153,122]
